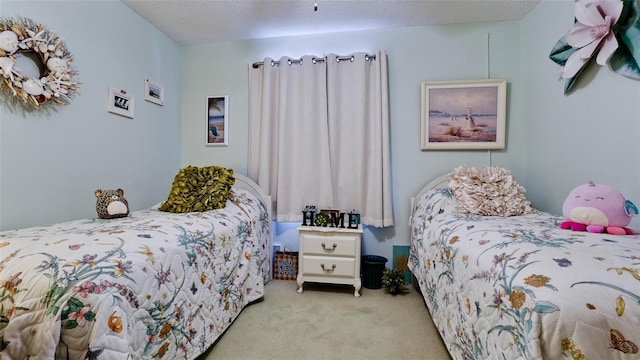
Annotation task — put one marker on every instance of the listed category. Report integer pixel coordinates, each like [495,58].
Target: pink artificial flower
[592,32]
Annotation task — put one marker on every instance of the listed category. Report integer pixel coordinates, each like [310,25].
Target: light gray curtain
[288,135]
[319,135]
[358,115]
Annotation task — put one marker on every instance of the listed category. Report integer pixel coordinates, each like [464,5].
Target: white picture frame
[463,115]
[120,102]
[217,120]
[153,92]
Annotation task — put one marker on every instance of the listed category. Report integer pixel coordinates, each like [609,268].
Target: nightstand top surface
[328,229]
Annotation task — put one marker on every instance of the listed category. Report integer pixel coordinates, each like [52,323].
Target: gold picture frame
[463,115]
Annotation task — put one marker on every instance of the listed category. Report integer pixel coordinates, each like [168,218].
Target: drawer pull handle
[333,267]
[324,246]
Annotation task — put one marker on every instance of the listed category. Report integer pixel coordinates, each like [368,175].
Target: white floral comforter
[522,288]
[151,285]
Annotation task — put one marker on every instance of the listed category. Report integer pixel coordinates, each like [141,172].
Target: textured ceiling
[191,22]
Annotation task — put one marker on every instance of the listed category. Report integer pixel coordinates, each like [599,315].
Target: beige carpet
[328,322]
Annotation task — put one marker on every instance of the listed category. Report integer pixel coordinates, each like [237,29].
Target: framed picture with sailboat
[463,115]
[218,120]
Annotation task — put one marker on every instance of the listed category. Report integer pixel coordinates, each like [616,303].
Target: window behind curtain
[319,135]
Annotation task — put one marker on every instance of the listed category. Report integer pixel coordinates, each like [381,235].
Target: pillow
[199,189]
[488,191]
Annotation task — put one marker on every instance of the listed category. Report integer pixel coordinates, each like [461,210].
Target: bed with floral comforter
[151,285]
[522,288]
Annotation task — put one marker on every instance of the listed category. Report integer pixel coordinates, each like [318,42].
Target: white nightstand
[329,255]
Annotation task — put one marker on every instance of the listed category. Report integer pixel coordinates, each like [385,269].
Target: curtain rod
[351,58]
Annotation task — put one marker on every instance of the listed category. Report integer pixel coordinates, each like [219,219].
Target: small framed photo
[331,212]
[334,217]
[153,92]
[218,120]
[120,102]
[464,115]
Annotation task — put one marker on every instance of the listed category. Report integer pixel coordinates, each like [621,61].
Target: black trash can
[372,269]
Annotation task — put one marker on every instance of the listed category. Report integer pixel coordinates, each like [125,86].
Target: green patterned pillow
[199,189]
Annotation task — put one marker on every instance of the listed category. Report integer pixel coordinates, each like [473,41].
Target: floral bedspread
[522,288]
[151,285]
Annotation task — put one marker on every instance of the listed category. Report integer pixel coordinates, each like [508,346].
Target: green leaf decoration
[545,307]
[52,296]
[628,16]
[74,304]
[623,63]
[90,316]
[561,52]
[568,85]
[71,324]
[627,57]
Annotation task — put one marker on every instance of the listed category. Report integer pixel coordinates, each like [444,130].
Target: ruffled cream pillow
[488,191]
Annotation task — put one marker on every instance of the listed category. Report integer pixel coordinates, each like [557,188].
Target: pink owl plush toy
[597,208]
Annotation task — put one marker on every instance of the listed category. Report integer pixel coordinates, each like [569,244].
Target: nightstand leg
[300,281]
[357,285]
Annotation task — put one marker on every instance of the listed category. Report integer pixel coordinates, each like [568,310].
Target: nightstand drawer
[335,244]
[329,266]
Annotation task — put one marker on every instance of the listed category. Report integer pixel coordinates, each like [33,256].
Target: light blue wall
[51,163]
[414,55]
[555,142]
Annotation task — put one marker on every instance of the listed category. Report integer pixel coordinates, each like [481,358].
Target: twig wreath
[56,85]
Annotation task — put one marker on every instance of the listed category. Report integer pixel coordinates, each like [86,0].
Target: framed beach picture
[217,120]
[120,102]
[464,115]
[153,92]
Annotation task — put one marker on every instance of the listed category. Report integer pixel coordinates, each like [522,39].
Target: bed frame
[565,304]
[120,315]
[439,182]
[246,183]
